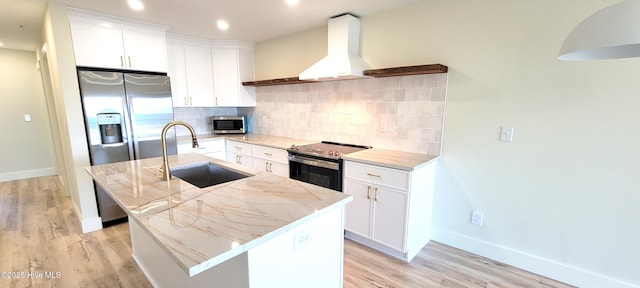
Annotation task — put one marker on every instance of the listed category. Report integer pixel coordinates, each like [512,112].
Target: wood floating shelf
[279,81]
[376,73]
[407,70]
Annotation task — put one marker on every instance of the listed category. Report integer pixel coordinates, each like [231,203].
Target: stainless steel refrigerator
[124,115]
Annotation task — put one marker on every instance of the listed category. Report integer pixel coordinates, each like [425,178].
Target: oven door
[316,171]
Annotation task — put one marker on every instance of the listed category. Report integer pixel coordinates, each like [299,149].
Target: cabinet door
[278,169]
[389,217]
[271,167]
[225,76]
[244,160]
[177,74]
[97,46]
[260,164]
[199,75]
[145,51]
[358,211]
[247,73]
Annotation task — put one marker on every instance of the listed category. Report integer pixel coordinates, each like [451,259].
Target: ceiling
[250,20]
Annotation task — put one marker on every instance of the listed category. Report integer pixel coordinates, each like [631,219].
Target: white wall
[26,148]
[66,98]
[562,199]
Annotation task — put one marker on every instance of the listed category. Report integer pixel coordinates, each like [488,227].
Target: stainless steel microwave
[229,124]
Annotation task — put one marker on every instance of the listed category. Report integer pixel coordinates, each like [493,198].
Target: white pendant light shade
[613,32]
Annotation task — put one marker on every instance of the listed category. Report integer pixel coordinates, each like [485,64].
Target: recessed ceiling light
[135,5]
[223,25]
[292,2]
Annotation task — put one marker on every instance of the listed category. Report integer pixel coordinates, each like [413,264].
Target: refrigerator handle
[128,122]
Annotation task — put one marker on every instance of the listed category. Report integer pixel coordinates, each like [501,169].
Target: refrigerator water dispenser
[110,127]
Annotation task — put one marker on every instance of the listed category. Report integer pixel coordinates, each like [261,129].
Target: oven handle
[314,162]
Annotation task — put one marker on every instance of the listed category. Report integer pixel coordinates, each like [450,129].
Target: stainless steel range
[320,163]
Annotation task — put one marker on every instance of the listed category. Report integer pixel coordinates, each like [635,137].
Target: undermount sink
[205,174]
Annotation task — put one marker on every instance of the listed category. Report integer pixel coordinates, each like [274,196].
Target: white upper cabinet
[145,51]
[199,75]
[105,42]
[190,72]
[97,46]
[177,73]
[232,66]
[210,74]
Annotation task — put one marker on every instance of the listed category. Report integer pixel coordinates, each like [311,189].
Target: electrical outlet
[506,134]
[27,117]
[302,238]
[477,217]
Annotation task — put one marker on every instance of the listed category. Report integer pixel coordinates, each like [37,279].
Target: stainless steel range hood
[343,60]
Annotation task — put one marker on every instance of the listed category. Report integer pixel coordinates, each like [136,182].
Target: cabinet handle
[268,154]
[271,167]
[185,102]
[238,148]
[373,175]
[216,101]
[369,192]
[190,101]
[266,166]
[129,57]
[375,193]
[121,61]
[238,159]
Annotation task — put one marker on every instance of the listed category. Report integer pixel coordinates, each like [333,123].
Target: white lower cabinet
[259,157]
[271,160]
[239,153]
[391,208]
[213,147]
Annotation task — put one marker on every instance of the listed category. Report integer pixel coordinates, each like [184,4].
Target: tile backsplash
[199,117]
[402,113]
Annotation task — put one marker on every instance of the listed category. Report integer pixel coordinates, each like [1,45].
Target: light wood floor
[41,234]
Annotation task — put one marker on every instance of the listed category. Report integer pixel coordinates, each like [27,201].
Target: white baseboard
[24,174]
[526,261]
[91,224]
[88,224]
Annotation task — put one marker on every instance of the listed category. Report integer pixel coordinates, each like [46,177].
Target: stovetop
[326,149]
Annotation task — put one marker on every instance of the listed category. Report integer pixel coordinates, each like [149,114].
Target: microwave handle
[314,162]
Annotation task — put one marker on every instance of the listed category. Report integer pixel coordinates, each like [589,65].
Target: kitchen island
[260,231]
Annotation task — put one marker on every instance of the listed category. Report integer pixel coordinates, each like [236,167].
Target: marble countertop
[390,158]
[202,227]
[251,138]
[382,157]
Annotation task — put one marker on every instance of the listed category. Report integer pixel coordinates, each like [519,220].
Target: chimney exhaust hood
[343,59]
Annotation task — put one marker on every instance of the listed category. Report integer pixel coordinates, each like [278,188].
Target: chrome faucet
[164,169]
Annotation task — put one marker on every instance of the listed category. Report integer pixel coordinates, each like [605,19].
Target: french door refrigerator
[124,115]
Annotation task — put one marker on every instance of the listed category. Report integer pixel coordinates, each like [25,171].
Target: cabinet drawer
[271,154]
[382,176]
[239,147]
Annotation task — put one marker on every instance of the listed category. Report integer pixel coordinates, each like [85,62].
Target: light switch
[27,117]
[506,135]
